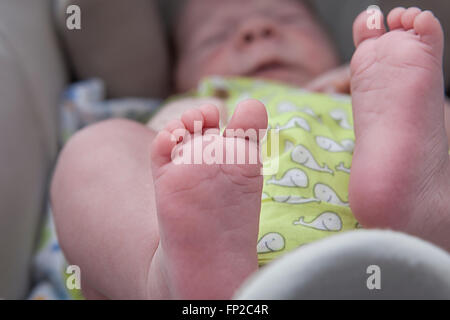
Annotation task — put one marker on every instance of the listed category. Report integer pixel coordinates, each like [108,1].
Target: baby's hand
[334,81]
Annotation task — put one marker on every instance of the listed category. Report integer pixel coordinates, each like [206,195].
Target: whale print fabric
[307,199]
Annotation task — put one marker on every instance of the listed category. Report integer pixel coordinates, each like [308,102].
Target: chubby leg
[103,201]
[401,168]
[110,211]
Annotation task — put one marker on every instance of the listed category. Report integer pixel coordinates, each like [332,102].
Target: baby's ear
[131,54]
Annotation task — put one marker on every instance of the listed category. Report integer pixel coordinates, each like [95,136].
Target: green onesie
[306,199]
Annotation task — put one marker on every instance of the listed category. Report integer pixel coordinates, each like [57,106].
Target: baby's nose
[256,30]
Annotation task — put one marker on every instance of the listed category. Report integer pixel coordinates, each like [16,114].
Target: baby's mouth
[267,68]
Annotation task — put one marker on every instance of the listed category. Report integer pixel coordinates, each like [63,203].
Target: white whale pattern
[341,167]
[348,145]
[296,122]
[311,113]
[265,196]
[292,178]
[286,107]
[330,145]
[303,156]
[293,199]
[340,116]
[327,221]
[271,242]
[326,194]
[288,146]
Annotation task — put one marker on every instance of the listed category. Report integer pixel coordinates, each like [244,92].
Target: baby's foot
[400,173]
[208,214]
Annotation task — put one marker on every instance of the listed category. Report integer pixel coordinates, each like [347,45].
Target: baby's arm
[334,81]
[103,205]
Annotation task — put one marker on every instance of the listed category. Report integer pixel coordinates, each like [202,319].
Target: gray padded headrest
[121,42]
[355,265]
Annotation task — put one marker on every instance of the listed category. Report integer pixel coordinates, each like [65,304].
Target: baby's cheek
[317,53]
[320,59]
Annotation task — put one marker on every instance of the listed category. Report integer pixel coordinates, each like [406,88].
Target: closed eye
[214,38]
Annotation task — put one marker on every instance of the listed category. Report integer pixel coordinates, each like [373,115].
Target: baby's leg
[104,207]
[401,170]
[109,220]
[209,213]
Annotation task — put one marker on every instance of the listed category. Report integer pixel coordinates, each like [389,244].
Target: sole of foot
[400,172]
[208,213]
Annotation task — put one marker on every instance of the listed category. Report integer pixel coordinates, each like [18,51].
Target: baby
[143,226]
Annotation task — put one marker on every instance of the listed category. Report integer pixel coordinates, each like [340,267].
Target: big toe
[368,25]
[428,27]
[249,115]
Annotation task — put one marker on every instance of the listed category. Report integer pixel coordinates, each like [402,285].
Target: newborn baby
[143,226]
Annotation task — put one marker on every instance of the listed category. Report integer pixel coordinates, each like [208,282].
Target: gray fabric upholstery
[31,81]
[121,42]
[337,268]
[338,16]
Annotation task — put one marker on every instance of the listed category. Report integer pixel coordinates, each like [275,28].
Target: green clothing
[306,199]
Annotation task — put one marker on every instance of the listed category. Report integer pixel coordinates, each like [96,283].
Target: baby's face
[270,39]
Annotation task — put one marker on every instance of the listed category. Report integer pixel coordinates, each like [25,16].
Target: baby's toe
[394,18]
[249,115]
[430,30]
[368,25]
[409,16]
[162,147]
[174,125]
[193,120]
[211,116]
[176,128]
